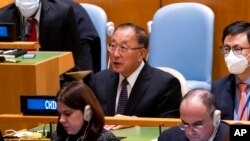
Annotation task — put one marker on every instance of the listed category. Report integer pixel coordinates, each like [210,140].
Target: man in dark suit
[200,120]
[56,24]
[149,92]
[236,50]
[89,38]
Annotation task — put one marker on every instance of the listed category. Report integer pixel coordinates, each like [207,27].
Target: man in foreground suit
[200,120]
[236,51]
[150,92]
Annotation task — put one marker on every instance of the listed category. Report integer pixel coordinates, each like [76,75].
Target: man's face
[239,41]
[197,120]
[125,61]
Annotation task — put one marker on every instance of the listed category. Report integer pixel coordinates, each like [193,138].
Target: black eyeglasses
[236,50]
[121,48]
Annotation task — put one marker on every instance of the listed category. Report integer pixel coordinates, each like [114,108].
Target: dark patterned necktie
[123,98]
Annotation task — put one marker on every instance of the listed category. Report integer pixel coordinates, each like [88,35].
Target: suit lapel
[44,21]
[111,91]
[231,89]
[139,88]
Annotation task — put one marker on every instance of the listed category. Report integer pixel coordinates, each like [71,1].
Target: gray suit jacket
[154,94]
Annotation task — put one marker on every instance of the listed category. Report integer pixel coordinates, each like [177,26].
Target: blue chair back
[182,38]
[99,19]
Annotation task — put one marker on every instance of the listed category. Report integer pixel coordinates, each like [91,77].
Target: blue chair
[181,38]
[99,19]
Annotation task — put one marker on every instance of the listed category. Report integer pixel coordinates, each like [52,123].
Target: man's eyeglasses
[236,50]
[121,48]
[195,126]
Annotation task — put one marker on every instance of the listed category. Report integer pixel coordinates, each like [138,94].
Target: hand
[116,127]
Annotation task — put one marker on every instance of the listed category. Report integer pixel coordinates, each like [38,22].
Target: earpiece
[110,28]
[87,113]
[216,123]
[216,118]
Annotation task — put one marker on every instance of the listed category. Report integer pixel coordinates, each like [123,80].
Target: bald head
[198,99]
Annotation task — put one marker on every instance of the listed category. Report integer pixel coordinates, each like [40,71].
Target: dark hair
[205,96]
[140,33]
[77,95]
[237,28]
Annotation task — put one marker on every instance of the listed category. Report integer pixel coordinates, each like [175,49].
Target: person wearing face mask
[55,27]
[232,91]
[201,120]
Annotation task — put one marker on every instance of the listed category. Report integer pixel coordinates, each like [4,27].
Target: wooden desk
[39,76]
[18,121]
[19,45]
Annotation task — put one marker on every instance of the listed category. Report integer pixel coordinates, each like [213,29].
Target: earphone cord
[214,132]
[85,131]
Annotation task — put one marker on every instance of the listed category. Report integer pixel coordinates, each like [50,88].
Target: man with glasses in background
[232,92]
[132,87]
[200,120]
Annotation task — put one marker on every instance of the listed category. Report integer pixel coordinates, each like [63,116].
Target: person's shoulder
[172,134]
[55,4]
[228,80]
[104,73]
[105,135]
[8,7]
[224,79]
[156,71]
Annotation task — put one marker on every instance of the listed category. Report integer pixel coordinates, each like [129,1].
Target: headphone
[87,115]
[216,123]
[110,27]
[216,118]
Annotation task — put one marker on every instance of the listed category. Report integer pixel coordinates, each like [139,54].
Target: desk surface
[138,133]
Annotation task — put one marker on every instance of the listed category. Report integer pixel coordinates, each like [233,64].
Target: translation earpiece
[216,118]
[110,28]
[87,113]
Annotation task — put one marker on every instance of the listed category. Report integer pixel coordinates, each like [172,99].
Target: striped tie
[123,98]
[242,113]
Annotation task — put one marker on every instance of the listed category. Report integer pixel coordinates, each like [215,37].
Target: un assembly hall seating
[142,11]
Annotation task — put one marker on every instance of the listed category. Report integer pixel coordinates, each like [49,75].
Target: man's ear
[143,53]
[145,56]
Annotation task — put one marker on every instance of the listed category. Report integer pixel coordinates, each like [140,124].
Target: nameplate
[7,32]
[38,105]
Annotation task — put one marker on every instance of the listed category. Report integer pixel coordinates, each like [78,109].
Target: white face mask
[27,7]
[236,64]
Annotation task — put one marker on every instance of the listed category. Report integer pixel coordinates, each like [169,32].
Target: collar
[132,78]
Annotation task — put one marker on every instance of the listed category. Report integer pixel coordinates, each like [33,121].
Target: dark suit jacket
[58,30]
[176,134]
[89,38]
[154,94]
[224,92]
